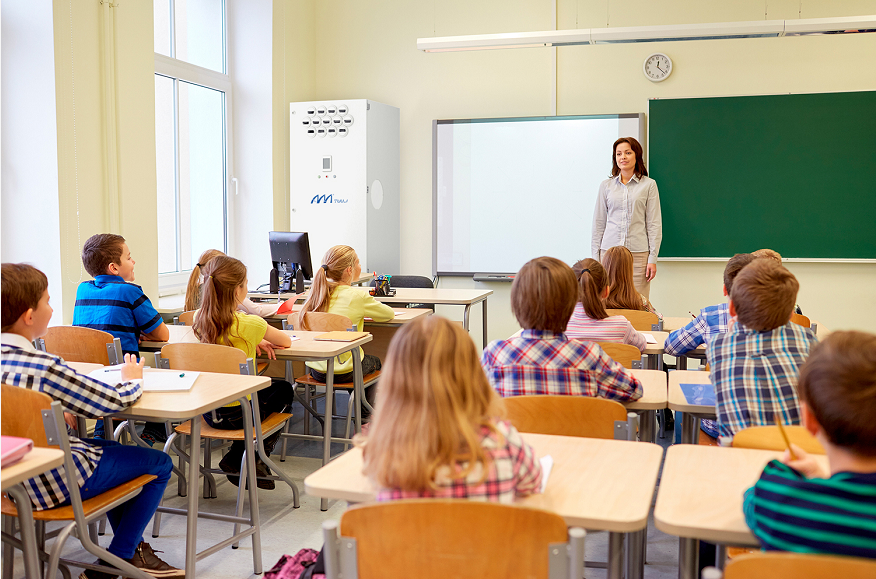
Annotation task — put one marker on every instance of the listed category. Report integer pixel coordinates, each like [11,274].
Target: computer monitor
[290,254]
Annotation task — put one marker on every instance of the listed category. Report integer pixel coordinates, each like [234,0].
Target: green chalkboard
[795,173]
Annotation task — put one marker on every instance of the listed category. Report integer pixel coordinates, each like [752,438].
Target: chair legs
[9,529]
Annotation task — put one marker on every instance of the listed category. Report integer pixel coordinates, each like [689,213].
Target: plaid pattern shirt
[712,320]
[538,362]
[755,375]
[26,367]
[512,470]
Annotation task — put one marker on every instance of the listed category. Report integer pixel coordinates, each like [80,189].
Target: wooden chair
[565,415]
[435,539]
[801,320]
[624,354]
[227,360]
[185,318]
[640,320]
[78,344]
[326,322]
[769,438]
[31,414]
[776,565]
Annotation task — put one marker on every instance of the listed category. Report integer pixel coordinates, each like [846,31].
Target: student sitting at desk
[101,464]
[332,292]
[438,431]
[777,257]
[795,506]
[110,303]
[247,306]
[590,321]
[754,366]
[622,292]
[219,322]
[542,359]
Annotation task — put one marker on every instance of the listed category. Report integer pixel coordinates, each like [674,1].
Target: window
[192,140]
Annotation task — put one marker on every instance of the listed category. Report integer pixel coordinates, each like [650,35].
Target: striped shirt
[611,329]
[755,375]
[538,362]
[110,304]
[26,367]
[712,320]
[512,470]
[837,516]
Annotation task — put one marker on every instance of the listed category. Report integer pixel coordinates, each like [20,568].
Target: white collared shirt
[628,215]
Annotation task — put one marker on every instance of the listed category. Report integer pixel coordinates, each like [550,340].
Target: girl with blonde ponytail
[590,321]
[332,292]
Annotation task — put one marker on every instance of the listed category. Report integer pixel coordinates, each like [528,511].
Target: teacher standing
[628,213]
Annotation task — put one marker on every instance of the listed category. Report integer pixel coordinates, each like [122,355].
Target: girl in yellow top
[331,292]
[219,322]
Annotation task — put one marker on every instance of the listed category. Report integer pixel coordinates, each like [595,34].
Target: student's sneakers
[92,574]
[145,558]
[262,471]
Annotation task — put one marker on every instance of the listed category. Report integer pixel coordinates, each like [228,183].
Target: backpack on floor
[298,566]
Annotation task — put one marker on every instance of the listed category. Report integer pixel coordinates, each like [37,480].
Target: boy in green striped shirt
[796,506]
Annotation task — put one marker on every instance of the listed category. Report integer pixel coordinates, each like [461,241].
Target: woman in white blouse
[628,212]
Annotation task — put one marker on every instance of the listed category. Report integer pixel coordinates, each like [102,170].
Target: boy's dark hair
[838,383]
[734,266]
[544,294]
[764,294]
[100,251]
[23,286]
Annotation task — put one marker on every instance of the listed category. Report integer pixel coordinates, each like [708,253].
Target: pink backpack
[296,566]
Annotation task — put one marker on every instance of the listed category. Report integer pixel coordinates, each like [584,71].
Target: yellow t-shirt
[246,333]
[357,304]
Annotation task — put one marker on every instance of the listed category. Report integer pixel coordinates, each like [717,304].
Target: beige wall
[368,50]
[83,161]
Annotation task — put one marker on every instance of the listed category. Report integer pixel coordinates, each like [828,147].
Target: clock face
[657,67]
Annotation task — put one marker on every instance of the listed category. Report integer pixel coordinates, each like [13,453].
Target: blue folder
[699,394]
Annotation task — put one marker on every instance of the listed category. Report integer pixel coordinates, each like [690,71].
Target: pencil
[785,436]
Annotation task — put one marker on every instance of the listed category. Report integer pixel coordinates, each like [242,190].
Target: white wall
[368,50]
[29,172]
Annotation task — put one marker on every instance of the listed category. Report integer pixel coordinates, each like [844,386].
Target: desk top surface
[402,316]
[701,492]
[677,400]
[584,468]
[654,390]
[35,462]
[304,348]
[414,295]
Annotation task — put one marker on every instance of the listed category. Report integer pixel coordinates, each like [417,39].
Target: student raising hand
[131,370]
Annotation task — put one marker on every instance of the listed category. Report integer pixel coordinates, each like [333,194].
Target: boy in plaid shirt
[754,366]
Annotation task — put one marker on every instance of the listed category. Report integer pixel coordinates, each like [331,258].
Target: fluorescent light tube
[676,32]
[843,25]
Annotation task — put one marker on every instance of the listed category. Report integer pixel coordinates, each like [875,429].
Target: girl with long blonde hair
[219,322]
[439,423]
[332,292]
[590,321]
[247,306]
[622,292]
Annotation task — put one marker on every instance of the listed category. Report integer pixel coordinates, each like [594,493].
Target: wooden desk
[690,422]
[700,497]
[595,484]
[653,398]
[36,462]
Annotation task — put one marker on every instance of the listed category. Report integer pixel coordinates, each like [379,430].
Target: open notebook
[153,380]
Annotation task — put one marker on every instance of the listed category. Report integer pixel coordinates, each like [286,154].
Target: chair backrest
[801,320]
[445,538]
[776,565]
[624,354]
[639,319]
[769,438]
[319,322]
[565,415]
[21,413]
[78,344]
[187,318]
[204,358]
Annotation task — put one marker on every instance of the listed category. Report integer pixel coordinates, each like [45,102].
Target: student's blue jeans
[119,464]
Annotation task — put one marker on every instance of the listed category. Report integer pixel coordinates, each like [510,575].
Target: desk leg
[192,517]
[635,557]
[615,555]
[646,426]
[681,363]
[358,388]
[327,429]
[28,535]
[251,413]
[465,314]
[484,306]
[690,428]
[688,558]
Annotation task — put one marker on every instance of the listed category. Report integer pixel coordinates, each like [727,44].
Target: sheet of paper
[547,463]
[699,394]
[153,380]
[649,338]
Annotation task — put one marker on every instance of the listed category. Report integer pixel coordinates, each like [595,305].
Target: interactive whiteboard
[507,190]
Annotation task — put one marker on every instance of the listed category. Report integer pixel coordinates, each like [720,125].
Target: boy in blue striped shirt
[796,506]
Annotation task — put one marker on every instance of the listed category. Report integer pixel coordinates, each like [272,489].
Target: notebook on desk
[699,394]
[153,380]
[340,336]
